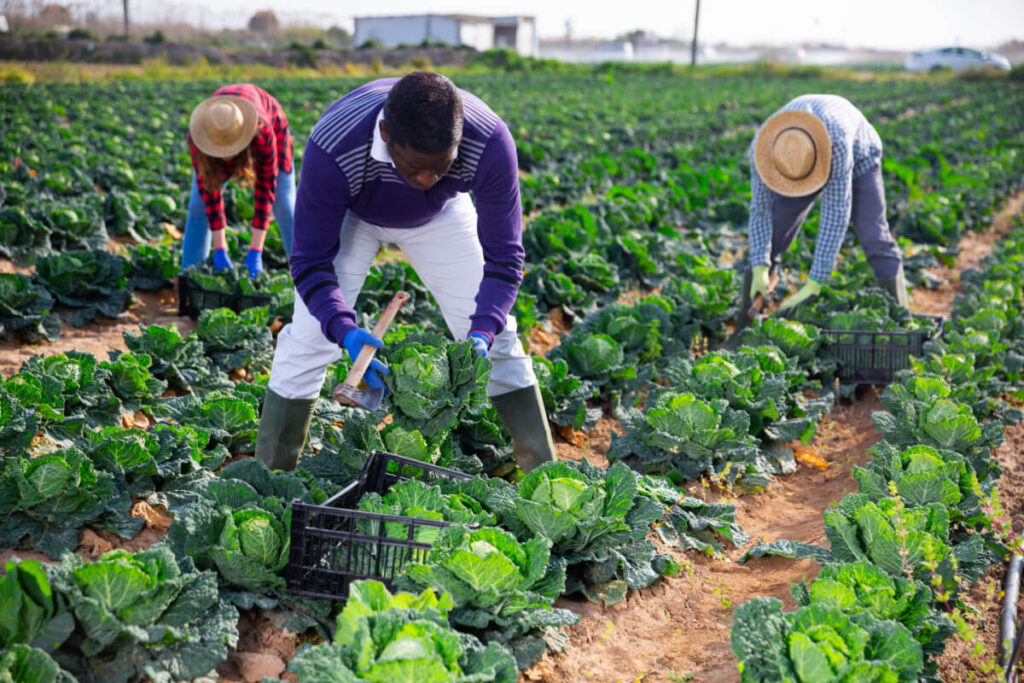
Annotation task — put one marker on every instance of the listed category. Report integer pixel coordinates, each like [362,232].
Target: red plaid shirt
[271,151]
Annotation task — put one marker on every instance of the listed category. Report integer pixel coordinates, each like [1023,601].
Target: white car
[957,58]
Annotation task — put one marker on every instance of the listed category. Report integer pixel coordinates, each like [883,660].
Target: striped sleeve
[499,211]
[322,199]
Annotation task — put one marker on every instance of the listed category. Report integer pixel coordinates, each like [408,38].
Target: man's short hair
[423,111]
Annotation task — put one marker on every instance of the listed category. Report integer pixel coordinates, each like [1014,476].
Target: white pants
[447,256]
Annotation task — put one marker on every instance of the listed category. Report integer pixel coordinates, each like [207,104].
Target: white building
[482,33]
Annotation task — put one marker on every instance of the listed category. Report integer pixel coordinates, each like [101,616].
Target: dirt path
[101,335]
[681,625]
[974,246]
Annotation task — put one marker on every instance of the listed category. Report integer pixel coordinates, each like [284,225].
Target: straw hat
[224,125]
[793,153]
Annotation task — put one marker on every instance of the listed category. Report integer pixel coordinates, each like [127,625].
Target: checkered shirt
[856,149]
[271,150]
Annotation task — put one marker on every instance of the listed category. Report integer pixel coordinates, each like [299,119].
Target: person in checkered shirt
[818,146]
[239,134]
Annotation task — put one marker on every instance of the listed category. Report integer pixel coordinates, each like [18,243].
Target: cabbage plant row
[923,526]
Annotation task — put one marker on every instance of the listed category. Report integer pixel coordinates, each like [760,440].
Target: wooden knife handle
[358,369]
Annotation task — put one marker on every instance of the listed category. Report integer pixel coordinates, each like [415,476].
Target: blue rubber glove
[221,260]
[254,262]
[353,343]
[481,342]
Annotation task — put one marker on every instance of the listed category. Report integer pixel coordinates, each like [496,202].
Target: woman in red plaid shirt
[240,134]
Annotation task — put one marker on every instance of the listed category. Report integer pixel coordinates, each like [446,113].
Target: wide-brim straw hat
[793,153]
[224,125]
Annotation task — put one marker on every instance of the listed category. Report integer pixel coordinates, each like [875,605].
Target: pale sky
[895,24]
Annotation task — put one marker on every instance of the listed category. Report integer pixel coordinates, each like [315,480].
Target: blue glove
[481,342]
[221,260]
[353,343]
[254,262]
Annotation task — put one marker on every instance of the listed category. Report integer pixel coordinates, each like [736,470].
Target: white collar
[379,148]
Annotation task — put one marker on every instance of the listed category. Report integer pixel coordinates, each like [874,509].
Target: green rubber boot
[522,412]
[897,286]
[284,424]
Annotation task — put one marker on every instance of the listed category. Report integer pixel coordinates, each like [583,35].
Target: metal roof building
[483,33]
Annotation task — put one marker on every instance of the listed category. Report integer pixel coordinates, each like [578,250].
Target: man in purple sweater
[395,161]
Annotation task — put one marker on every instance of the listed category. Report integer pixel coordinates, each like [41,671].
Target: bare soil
[974,246]
[262,650]
[546,336]
[681,624]
[101,335]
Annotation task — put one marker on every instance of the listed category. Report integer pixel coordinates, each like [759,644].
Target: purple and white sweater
[339,175]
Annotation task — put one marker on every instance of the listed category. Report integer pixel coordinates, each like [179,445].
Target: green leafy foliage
[414,498]
[253,548]
[81,388]
[18,423]
[861,587]
[32,613]
[86,283]
[152,268]
[131,381]
[231,419]
[236,340]
[27,664]
[902,540]
[383,281]
[919,411]
[564,394]
[690,523]
[52,496]
[433,381]
[795,338]
[26,310]
[821,643]
[181,361]
[143,615]
[401,637]
[761,381]
[681,432]
[501,588]
[600,362]
[921,475]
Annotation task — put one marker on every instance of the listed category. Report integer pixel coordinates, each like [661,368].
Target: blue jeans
[195,245]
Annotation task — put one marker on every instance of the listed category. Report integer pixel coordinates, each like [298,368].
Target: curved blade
[364,398]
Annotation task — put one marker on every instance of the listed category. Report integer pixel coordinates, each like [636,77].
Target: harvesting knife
[348,392]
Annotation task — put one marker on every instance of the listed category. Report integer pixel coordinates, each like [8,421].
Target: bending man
[393,162]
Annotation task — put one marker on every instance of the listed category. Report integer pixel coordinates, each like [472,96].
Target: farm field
[714,510]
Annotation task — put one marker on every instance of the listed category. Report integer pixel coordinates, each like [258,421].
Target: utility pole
[126,18]
[693,48]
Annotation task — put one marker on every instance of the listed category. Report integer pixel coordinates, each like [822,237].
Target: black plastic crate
[873,357]
[193,299]
[333,545]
